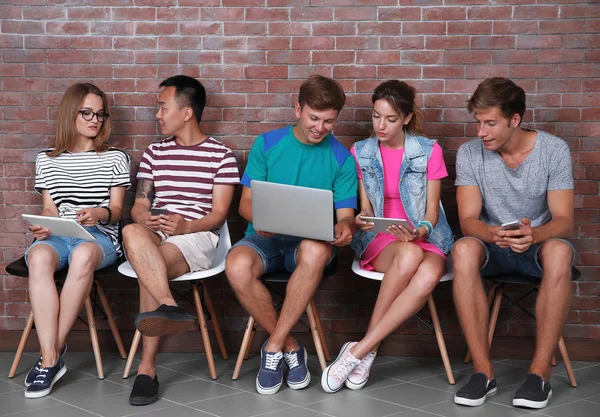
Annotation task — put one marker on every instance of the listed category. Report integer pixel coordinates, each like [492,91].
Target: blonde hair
[66,135]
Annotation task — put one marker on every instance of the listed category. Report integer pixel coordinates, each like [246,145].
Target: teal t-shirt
[277,156]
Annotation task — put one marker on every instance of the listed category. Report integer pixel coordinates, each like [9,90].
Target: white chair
[218,266]
[448,276]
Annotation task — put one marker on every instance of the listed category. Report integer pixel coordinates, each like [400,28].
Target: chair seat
[526,279]
[19,268]
[126,269]
[378,276]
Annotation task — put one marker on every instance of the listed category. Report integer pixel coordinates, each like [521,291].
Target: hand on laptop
[266,235]
[39,232]
[343,234]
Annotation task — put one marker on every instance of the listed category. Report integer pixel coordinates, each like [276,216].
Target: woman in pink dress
[400,175]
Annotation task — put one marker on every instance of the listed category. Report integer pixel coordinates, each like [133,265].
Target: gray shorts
[198,249]
[504,261]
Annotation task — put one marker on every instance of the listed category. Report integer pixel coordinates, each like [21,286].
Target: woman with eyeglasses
[85,179]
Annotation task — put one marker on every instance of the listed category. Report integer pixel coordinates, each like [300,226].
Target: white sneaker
[359,377]
[335,374]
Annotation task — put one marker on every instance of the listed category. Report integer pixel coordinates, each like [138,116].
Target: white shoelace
[291,359]
[41,376]
[272,360]
[343,368]
[362,369]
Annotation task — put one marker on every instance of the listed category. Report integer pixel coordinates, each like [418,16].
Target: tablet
[59,226]
[381,224]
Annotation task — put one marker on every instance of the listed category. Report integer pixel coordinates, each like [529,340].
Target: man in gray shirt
[511,174]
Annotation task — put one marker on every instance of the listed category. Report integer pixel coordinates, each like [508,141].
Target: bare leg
[312,257]
[410,300]
[43,262]
[244,268]
[146,258]
[553,302]
[471,302]
[84,261]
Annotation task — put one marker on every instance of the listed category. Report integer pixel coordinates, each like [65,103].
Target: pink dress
[392,203]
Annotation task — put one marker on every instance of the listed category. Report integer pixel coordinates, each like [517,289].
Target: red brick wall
[252,56]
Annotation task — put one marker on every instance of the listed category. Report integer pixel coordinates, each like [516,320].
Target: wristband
[427,226]
[109,215]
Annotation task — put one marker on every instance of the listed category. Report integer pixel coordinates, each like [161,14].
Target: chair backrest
[223,247]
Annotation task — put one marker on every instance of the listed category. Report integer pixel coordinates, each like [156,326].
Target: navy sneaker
[47,377]
[270,374]
[35,369]
[533,393]
[298,376]
[474,392]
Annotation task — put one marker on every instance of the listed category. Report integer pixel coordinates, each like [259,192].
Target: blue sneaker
[270,374]
[35,369]
[47,377]
[298,376]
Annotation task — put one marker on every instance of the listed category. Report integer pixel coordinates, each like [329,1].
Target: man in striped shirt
[184,189]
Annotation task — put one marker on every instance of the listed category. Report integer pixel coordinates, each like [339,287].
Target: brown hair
[321,93]
[68,111]
[401,97]
[498,92]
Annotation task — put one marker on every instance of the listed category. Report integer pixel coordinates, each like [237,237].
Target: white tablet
[381,224]
[59,226]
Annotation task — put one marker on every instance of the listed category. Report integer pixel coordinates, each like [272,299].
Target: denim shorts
[64,247]
[278,253]
[504,261]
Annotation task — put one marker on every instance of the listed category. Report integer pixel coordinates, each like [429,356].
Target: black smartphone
[158,211]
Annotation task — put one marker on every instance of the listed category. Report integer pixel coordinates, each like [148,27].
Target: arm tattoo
[145,189]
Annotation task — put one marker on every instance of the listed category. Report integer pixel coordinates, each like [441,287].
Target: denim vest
[413,188]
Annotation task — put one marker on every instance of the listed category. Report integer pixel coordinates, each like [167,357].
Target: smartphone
[158,211]
[516,225]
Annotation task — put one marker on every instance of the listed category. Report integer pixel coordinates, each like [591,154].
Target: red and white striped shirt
[184,176]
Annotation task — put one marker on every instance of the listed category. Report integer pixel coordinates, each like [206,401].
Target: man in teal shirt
[307,155]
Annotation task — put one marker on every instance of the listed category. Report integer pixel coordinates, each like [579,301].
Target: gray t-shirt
[510,194]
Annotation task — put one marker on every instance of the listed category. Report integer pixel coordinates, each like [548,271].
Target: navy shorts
[504,261]
[278,253]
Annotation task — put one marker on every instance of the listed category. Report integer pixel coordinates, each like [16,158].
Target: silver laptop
[292,210]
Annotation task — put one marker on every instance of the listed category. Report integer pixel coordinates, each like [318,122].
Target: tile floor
[403,387]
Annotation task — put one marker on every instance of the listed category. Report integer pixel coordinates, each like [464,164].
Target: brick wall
[252,56]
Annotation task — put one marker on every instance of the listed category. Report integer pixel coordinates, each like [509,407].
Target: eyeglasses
[88,115]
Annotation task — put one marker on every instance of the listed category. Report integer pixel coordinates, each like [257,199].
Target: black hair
[188,92]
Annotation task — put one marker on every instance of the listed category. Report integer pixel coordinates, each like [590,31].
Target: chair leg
[244,348]
[316,336]
[22,343]
[440,339]
[553,360]
[215,322]
[132,351]
[252,334]
[204,331]
[111,320]
[494,315]
[94,335]
[490,299]
[566,361]
[313,306]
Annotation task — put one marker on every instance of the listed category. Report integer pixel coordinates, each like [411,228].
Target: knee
[313,252]
[41,257]
[85,259]
[556,253]
[467,253]
[408,257]
[241,269]
[426,283]
[132,233]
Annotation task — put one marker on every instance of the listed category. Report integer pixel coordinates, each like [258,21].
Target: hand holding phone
[514,225]
[159,211]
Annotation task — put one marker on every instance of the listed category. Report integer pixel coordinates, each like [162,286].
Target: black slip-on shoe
[164,320]
[533,392]
[145,390]
[474,392]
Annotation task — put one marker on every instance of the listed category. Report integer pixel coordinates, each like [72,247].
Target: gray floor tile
[294,412]
[176,410]
[595,399]
[303,397]
[449,409]
[505,374]
[11,386]
[590,373]
[558,369]
[584,389]
[6,359]
[196,390]
[85,362]
[88,388]
[170,357]
[117,405]
[413,413]
[240,405]
[199,367]
[63,410]
[407,370]
[15,402]
[580,408]
[356,405]
[440,382]
[409,395]
[165,377]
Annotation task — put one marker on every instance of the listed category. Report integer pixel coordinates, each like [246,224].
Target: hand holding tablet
[59,226]
[381,224]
